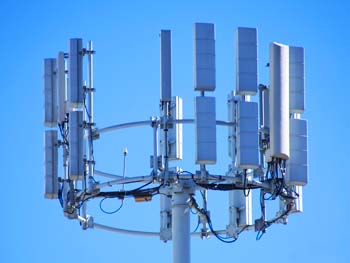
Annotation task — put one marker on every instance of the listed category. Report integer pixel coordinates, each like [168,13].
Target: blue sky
[126,38]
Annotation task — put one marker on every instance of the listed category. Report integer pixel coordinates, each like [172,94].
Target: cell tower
[267,141]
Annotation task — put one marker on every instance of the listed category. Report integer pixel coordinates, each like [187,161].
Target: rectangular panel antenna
[50,92]
[75,71]
[76,145]
[247,135]
[296,80]
[246,61]
[204,57]
[298,202]
[51,164]
[297,165]
[165,65]
[62,89]
[205,130]
[240,208]
[279,100]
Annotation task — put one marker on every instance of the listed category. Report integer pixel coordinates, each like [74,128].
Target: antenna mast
[267,141]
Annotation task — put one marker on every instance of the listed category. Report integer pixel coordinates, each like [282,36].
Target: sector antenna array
[267,141]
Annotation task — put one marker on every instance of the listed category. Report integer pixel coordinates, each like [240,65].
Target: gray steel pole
[90,107]
[181,227]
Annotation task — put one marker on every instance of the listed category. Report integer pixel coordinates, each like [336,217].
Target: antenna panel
[296,80]
[240,208]
[279,100]
[246,61]
[75,71]
[165,65]
[205,130]
[61,83]
[51,164]
[204,57]
[50,92]
[297,168]
[76,145]
[247,135]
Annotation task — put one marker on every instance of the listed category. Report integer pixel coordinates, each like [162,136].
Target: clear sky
[126,38]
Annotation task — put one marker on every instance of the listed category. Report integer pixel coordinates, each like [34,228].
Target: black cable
[245,183]
[87,111]
[222,239]
[186,172]
[260,234]
[63,135]
[268,223]
[206,214]
[226,187]
[134,193]
[60,195]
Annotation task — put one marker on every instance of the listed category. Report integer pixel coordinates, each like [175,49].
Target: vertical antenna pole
[90,110]
[165,94]
[91,81]
[165,153]
[261,124]
[155,146]
[181,228]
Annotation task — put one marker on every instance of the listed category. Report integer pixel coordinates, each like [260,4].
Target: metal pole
[262,124]
[165,105]
[91,81]
[91,111]
[155,147]
[181,227]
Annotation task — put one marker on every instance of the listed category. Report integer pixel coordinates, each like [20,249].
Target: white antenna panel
[75,71]
[297,168]
[279,100]
[165,65]
[247,135]
[175,133]
[62,90]
[246,61]
[240,209]
[296,80]
[76,145]
[231,129]
[50,92]
[204,57]
[205,130]
[298,202]
[51,162]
